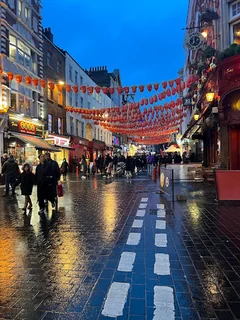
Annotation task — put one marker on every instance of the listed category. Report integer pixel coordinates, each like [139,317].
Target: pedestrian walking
[129,167]
[26,180]
[11,171]
[84,167]
[64,168]
[54,174]
[74,164]
[4,158]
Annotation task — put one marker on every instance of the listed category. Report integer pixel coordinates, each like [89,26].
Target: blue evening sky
[143,38]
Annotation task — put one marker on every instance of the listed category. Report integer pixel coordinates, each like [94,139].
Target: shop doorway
[234,144]
[89,132]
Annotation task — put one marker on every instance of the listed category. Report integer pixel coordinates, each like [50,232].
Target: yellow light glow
[210,96]
[196,117]
[61,83]
[204,34]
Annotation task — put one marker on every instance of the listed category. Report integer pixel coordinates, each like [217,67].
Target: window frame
[60,129]
[49,56]
[50,115]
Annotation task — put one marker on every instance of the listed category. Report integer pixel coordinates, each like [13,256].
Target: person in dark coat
[64,168]
[11,171]
[129,166]
[84,167]
[54,173]
[26,180]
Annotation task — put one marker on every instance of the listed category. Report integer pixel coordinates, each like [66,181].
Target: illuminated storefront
[63,145]
[24,139]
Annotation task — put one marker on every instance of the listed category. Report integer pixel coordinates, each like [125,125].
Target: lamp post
[210,96]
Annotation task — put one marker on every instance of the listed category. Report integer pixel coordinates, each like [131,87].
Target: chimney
[48,34]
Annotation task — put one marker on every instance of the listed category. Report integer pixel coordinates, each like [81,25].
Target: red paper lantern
[43,83]
[146,101]
[151,100]
[156,86]
[90,90]
[149,87]
[178,81]
[111,90]
[105,90]
[10,76]
[141,87]
[68,87]
[51,85]
[134,89]
[173,91]
[168,92]
[171,83]
[83,89]
[28,80]
[164,84]
[18,78]
[75,89]
[98,89]
[182,85]
[126,90]
[59,87]
[35,82]
[119,90]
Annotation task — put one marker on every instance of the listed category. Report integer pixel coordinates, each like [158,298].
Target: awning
[65,147]
[38,143]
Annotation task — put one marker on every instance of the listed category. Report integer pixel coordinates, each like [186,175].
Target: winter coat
[130,164]
[10,168]
[84,166]
[64,167]
[27,180]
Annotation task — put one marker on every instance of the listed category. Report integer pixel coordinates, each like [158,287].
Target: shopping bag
[60,190]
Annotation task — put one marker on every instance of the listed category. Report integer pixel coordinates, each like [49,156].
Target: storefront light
[61,83]
[210,96]
[204,34]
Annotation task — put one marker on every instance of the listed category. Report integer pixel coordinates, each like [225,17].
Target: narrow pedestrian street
[119,249]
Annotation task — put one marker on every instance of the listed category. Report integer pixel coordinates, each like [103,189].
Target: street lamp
[196,116]
[210,96]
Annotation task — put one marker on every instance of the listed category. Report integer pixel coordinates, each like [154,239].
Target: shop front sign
[61,142]
[25,126]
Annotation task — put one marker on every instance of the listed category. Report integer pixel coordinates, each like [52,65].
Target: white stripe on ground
[116,299]
[160,224]
[160,206]
[126,262]
[144,200]
[141,213]
[133,239]
[143,206]
[161,213]
[162,264]
[137,224]
[161,240]
[164,303]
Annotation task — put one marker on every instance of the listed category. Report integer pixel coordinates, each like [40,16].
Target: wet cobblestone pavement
[119,247]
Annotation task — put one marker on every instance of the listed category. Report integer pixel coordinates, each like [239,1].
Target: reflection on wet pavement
[61,266]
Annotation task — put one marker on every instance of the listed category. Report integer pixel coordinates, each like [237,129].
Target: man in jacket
[53,176]
[11,171]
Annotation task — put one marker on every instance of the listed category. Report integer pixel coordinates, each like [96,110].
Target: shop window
[82,127]
[60,97]
[235,9]
[236,33]
[24,105]
[71,125]
[76,77]
[60,131]
[19,8]
[19,52]
[13,102]
[50,94]
[59,65]
[49,59]
[70,72]
[50,123]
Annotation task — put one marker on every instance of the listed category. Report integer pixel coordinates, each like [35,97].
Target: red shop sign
[27,127]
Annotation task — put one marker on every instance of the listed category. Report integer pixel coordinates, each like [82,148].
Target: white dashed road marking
[143,206]
[133,239]
[160,225]
[161,240]
[161,213]
[164,303]
[141,213]
[137,224]
[144,200]
[116,299]
[126,262]
[160,206]
[162,264]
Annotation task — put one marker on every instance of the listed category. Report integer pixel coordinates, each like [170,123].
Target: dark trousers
[46,192]
[10,181]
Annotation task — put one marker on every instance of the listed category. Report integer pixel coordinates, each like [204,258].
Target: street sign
[194,41]
[187,102]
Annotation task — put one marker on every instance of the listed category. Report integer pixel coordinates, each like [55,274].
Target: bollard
[154,173]
[77,171]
